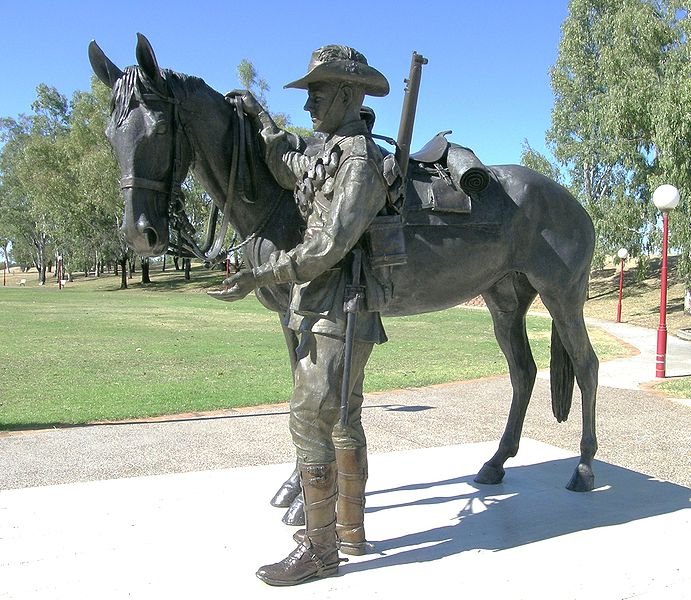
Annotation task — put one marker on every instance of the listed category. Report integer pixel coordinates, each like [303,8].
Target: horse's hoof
[295,515]
[490,475]
[286,494]
[582,479]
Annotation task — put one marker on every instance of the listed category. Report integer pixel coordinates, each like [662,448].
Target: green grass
[90,352]
[641,306]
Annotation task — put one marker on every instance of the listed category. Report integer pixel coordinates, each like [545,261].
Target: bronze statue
[511,237]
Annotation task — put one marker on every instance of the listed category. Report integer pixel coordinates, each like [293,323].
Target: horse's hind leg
[567,313]
[508,301]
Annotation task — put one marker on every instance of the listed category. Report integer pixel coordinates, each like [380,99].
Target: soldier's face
[326,106]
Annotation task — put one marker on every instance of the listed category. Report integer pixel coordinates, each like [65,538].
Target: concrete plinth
[436,533]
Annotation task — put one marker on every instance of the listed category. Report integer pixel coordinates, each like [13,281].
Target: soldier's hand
[250,104]
[235,287]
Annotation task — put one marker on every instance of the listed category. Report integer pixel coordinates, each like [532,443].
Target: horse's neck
[210,133]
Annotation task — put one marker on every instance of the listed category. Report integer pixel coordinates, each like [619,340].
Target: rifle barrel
[405,130]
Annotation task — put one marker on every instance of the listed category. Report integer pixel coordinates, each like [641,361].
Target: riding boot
[317,555]
[350,509]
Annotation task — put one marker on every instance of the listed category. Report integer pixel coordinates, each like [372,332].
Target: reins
[242,161]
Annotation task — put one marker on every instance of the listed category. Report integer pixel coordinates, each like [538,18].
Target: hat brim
[371,80]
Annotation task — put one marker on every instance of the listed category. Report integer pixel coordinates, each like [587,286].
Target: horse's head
[143,131]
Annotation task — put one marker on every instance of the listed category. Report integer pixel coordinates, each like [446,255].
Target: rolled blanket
[465,168]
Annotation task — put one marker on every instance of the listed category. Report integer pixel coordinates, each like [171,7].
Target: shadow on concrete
[527,507]
[184,418]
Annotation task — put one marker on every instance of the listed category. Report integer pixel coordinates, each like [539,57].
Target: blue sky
[487,77]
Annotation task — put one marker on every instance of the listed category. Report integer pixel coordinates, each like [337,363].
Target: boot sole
[328,572]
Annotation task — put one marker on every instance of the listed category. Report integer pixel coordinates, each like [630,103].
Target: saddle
[442,178]
[445,176]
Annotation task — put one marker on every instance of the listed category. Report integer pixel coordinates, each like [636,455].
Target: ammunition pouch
[385,241]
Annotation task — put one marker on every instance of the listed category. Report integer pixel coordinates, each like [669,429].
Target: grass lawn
[641,306]
[91,352]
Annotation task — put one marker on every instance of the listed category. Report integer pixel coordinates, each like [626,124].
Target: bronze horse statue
[526,235]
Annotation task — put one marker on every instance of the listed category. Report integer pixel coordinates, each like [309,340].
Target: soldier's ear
[346,94]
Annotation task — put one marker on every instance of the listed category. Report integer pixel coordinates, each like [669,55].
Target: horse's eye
[161,128]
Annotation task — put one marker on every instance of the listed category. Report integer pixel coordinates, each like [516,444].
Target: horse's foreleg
[508,301]
[572,333]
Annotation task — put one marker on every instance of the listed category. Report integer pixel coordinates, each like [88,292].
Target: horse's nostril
[151,237]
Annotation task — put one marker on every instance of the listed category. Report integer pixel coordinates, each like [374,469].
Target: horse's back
[523,221]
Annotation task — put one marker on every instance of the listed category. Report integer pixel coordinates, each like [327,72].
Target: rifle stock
[405,129]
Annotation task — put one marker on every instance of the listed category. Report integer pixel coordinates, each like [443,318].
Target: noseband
[172,187]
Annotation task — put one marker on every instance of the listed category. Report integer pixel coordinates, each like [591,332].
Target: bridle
[211,248]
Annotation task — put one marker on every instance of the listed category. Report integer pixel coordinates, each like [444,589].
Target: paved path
[637,428]
[176,508]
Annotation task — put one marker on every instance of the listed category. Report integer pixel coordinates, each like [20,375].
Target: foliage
[59,190]
[620,122]
[533,159]
[249,79]
[610,59]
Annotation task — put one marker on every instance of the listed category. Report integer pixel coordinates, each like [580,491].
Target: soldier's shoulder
[359,146]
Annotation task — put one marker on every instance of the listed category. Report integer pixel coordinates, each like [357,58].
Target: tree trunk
[123,271]
[144,262]
[188,265]
[163,268]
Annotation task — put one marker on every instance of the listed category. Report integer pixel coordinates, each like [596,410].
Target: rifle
[385,235]
[405,129]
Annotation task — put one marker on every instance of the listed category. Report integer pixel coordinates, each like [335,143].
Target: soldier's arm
[359,194]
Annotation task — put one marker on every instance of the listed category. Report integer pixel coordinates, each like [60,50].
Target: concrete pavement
[177,508]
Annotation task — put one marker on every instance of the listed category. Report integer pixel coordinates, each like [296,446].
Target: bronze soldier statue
[339,189]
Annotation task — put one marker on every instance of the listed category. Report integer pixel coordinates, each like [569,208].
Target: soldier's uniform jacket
[339,192]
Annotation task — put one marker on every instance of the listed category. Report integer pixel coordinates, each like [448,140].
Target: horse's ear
[103,67]
[147,60]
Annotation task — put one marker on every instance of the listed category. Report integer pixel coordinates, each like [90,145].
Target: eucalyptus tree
[671,119]
[606,82]
[96,213]
[35,175]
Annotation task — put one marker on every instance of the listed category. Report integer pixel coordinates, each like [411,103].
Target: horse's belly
[446,266]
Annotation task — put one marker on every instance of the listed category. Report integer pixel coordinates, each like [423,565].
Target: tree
[250,80]
[533,159]
[95,216]
[606,78]
[35,178]
[671,119]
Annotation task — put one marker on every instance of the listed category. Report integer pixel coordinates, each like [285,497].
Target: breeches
[315,406]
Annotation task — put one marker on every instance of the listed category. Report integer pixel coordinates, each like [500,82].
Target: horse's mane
[134,83]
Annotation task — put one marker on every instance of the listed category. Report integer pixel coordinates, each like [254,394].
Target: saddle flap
[444,198]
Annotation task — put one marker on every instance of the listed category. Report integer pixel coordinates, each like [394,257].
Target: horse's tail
[561,377]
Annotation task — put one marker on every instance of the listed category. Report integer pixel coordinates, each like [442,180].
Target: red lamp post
[623,254]
[665,198]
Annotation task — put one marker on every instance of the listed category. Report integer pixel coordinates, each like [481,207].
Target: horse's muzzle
[145,238]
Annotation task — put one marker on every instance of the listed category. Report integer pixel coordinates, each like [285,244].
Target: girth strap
[140,182]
